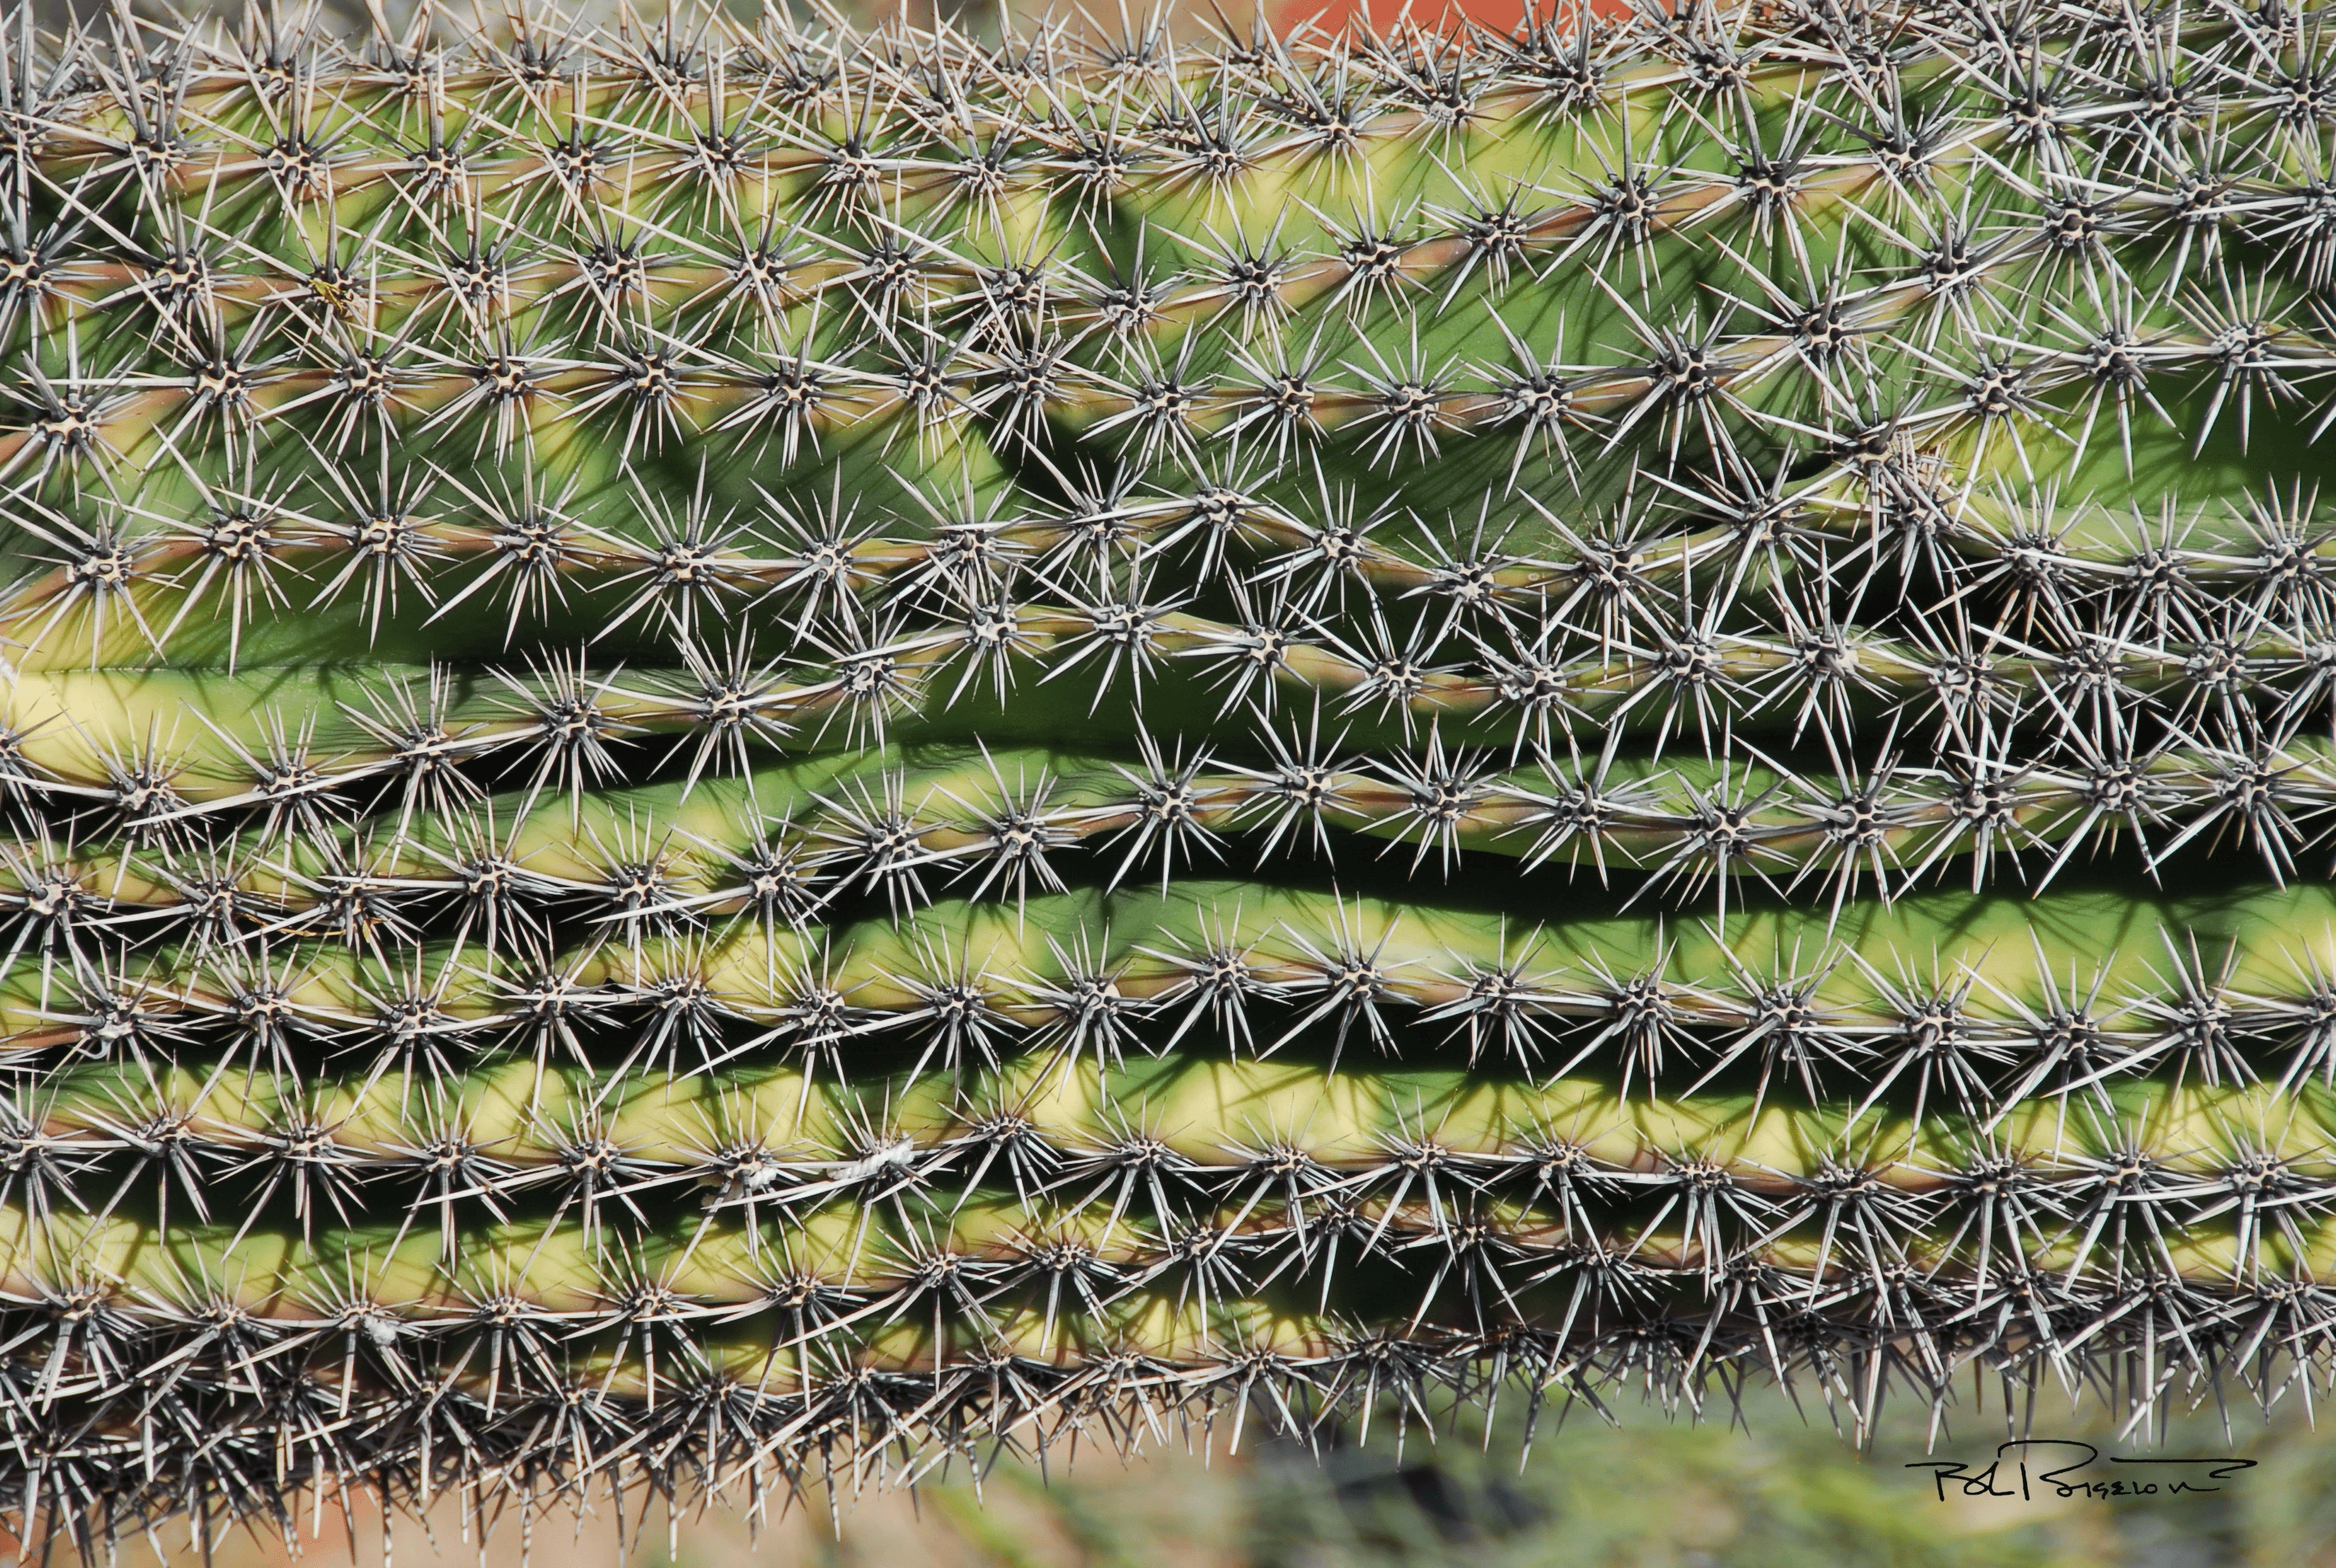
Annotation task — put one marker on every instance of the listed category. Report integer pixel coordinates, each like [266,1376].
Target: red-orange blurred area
[1502,15]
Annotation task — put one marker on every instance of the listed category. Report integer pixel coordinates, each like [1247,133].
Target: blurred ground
[1653,1495]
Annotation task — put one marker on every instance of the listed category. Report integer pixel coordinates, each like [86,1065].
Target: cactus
[745,753]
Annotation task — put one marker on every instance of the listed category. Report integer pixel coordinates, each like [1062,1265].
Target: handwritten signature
[2017,1471]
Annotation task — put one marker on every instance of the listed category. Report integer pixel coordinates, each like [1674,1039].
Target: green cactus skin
[741,753]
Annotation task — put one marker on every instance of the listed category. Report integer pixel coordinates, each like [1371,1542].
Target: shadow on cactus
[737,753]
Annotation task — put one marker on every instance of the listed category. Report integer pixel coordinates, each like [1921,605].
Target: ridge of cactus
[742,752]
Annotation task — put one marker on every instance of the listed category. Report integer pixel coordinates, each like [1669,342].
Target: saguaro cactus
[743,750]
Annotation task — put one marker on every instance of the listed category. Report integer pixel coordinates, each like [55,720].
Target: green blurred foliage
[1787,1492]
[1779,1490]
[1772,1485]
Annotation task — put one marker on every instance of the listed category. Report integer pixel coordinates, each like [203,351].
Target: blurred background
[347,17]
[1653,1492]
